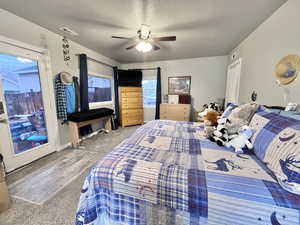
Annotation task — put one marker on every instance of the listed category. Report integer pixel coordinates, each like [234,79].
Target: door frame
[48,96]
[233,64]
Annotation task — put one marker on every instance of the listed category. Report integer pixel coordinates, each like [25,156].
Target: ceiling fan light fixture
[144,47]
[144,32]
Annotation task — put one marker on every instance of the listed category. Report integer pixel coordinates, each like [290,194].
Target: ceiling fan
[144,42]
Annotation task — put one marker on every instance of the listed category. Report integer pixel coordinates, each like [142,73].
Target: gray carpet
[59,209]
[41,185]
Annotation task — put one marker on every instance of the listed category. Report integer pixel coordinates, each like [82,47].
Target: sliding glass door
[26,133]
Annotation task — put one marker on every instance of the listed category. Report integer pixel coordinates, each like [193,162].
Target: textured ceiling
[203,27]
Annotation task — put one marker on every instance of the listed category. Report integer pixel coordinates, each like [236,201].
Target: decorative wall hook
[66,49]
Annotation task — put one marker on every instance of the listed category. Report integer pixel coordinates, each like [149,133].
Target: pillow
[291,114]
[244,112]
[277,111]
[292,107]
[277,144]
[228,110]
[274,107]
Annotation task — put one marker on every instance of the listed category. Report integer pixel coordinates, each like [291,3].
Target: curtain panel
[84,92]
[158,94]
[116,87]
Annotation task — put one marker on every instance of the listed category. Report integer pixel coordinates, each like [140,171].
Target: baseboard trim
[63,147]
[69,144]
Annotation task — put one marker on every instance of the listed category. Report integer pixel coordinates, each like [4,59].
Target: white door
[27,132]
[233,82]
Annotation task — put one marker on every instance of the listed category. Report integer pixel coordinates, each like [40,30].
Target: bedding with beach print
[167,173]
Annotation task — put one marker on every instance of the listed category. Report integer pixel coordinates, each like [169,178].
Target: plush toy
[210,122]
[220,135]
[229,127]
[242,140]
[211,118]
[209,107]
[212,105]
[209,131]
[240,116]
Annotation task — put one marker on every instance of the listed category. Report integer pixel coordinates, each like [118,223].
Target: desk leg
[74,134]
[107,124]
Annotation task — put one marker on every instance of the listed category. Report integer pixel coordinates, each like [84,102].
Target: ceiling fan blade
[168,38]
[131,46]
[121,37]
[155,47]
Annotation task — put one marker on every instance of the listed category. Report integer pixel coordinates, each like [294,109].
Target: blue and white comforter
[167,173]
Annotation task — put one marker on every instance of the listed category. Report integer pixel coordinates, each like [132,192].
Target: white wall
[208,76]
[277,37]
[22,30]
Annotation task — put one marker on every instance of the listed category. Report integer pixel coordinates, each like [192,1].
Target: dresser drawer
[175,111]
[131,100]
[131,95]
[129,122]
[174,116]
[182,107]
[132,117]
[130,89]
[132,113]
[180,112]
[125,106]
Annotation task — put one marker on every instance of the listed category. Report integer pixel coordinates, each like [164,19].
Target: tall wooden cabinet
[131,106]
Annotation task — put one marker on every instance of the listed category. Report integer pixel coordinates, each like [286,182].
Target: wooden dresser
[131,106]
[181,112]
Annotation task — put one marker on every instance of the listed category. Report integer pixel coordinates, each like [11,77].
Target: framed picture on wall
[180,85]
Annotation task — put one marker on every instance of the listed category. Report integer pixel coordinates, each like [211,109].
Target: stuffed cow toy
[228,128]
[241,140]
[220,134]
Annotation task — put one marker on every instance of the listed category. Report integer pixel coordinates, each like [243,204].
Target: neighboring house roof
[13,82]
[16,73]
[27,70]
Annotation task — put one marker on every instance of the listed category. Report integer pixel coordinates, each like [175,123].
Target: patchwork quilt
[167,173]
[277,144]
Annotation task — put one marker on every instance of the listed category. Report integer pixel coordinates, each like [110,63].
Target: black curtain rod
[155,68]
[98,61]
[111,66]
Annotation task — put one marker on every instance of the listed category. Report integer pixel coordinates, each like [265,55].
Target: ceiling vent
[68,31]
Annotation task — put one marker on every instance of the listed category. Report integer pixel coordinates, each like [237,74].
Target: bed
[167,173]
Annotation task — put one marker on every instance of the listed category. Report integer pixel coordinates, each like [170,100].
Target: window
[99,90]
[149,93]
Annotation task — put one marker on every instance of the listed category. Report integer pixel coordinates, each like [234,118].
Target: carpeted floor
[61,208]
